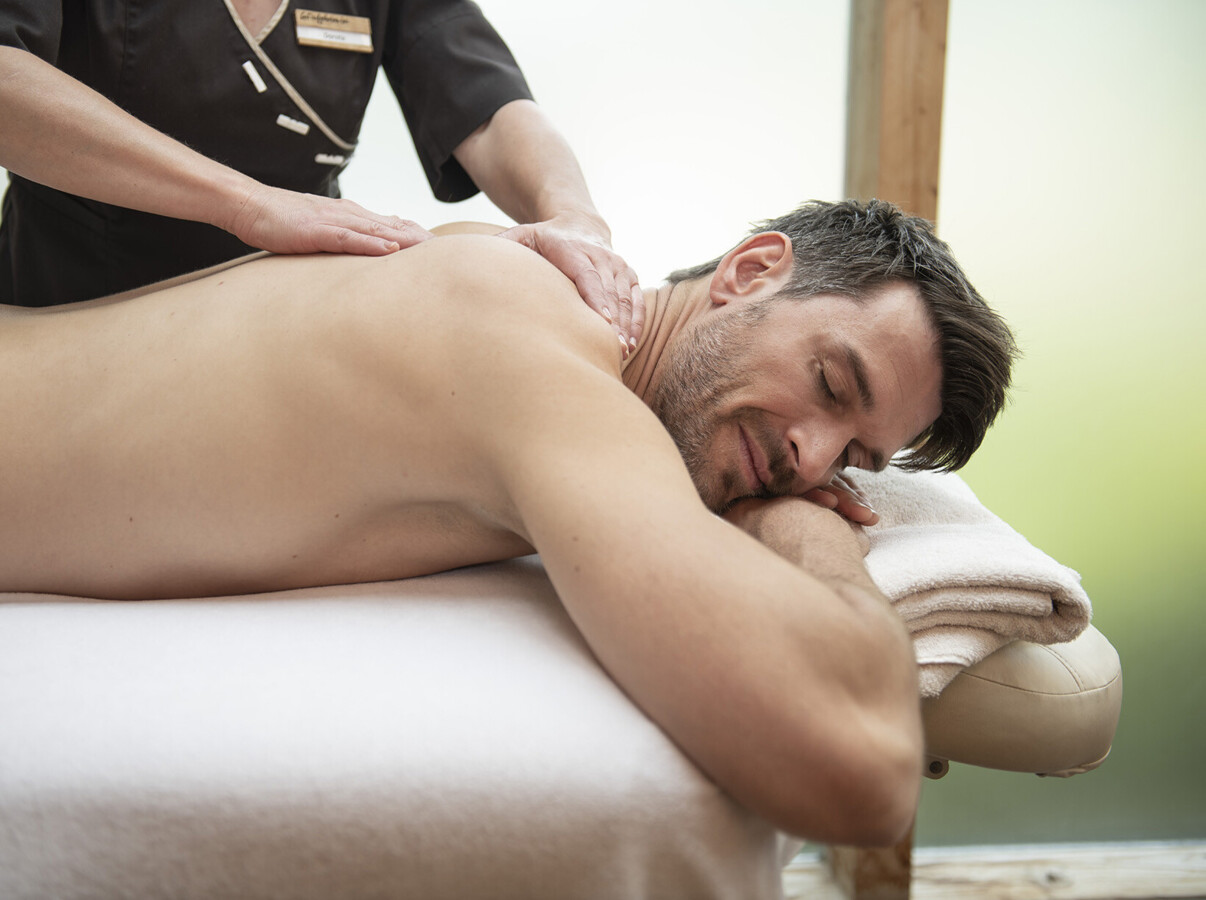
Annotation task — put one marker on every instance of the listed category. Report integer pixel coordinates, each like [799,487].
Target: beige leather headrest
[1052,710]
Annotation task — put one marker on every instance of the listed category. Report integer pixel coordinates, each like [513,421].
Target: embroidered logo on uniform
[338,32]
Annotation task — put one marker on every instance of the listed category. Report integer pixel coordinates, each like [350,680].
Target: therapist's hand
[288,222]
[581,249]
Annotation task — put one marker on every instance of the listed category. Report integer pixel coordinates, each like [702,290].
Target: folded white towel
[963,581]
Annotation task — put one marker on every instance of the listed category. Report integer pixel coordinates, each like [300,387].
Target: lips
[753,463]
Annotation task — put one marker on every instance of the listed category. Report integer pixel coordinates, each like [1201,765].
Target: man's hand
[285,221]
[844,497]
[583,252]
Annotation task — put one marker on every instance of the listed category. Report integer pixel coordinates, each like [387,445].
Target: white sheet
[441,737]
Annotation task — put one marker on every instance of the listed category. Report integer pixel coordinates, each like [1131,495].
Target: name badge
[338,32]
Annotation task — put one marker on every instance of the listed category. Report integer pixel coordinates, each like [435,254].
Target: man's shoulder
[483,257]
[496,290]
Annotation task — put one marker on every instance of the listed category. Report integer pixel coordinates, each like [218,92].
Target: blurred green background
[1072,188]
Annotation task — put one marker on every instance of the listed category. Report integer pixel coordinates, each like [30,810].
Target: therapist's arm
[59,132]
[528,170]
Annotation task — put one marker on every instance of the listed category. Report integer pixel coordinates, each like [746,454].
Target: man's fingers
[822,497]
[840,499]
[857,512]
[853,502]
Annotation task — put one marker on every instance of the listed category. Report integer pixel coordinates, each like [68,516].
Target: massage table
[442,737]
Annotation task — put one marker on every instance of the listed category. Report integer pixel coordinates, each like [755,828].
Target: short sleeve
[451,71]
[33,25]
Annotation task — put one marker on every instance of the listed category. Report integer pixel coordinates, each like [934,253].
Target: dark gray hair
[852,248]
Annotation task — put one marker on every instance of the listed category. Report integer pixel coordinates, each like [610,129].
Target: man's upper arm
[744,659]
[799,703]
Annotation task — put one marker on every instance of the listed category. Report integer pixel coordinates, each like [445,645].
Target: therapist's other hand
[289,222]
[581,249]
[843,496]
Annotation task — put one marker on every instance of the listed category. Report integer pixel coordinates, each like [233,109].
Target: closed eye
[823,383]
[870,460]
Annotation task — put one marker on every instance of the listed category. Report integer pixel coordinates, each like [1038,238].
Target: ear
[759,266]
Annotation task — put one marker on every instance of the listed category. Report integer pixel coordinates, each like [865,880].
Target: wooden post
[863,873]
[893,138]
[894,102]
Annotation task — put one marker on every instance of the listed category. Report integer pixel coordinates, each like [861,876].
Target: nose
[817,454]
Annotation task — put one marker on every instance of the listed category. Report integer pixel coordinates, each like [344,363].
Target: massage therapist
[145,140]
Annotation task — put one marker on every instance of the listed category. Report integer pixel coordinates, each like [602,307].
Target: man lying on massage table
[320,420]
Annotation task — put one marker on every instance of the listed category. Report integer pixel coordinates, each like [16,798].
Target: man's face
[776,396]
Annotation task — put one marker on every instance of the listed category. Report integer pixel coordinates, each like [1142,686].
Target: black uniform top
[283,107]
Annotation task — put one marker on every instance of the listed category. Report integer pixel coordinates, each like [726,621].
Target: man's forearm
[816,539]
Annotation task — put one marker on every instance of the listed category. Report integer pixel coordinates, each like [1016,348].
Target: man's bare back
[261,440]
[310,421]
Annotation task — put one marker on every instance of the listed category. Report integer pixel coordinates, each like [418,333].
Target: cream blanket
[963,581]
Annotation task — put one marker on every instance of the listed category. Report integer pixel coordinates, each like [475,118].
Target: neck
[669,310]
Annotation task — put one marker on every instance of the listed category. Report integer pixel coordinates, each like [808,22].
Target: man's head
[876,282]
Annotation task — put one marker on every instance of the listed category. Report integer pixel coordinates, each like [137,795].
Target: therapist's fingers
[288,222]
[605,282]
[366,236]
[624,292]
[638,313]
[627,293]
[608,291]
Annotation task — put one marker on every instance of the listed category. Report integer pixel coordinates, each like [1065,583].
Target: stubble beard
[701,370]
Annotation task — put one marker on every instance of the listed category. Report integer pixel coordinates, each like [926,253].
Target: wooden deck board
[1124,871]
